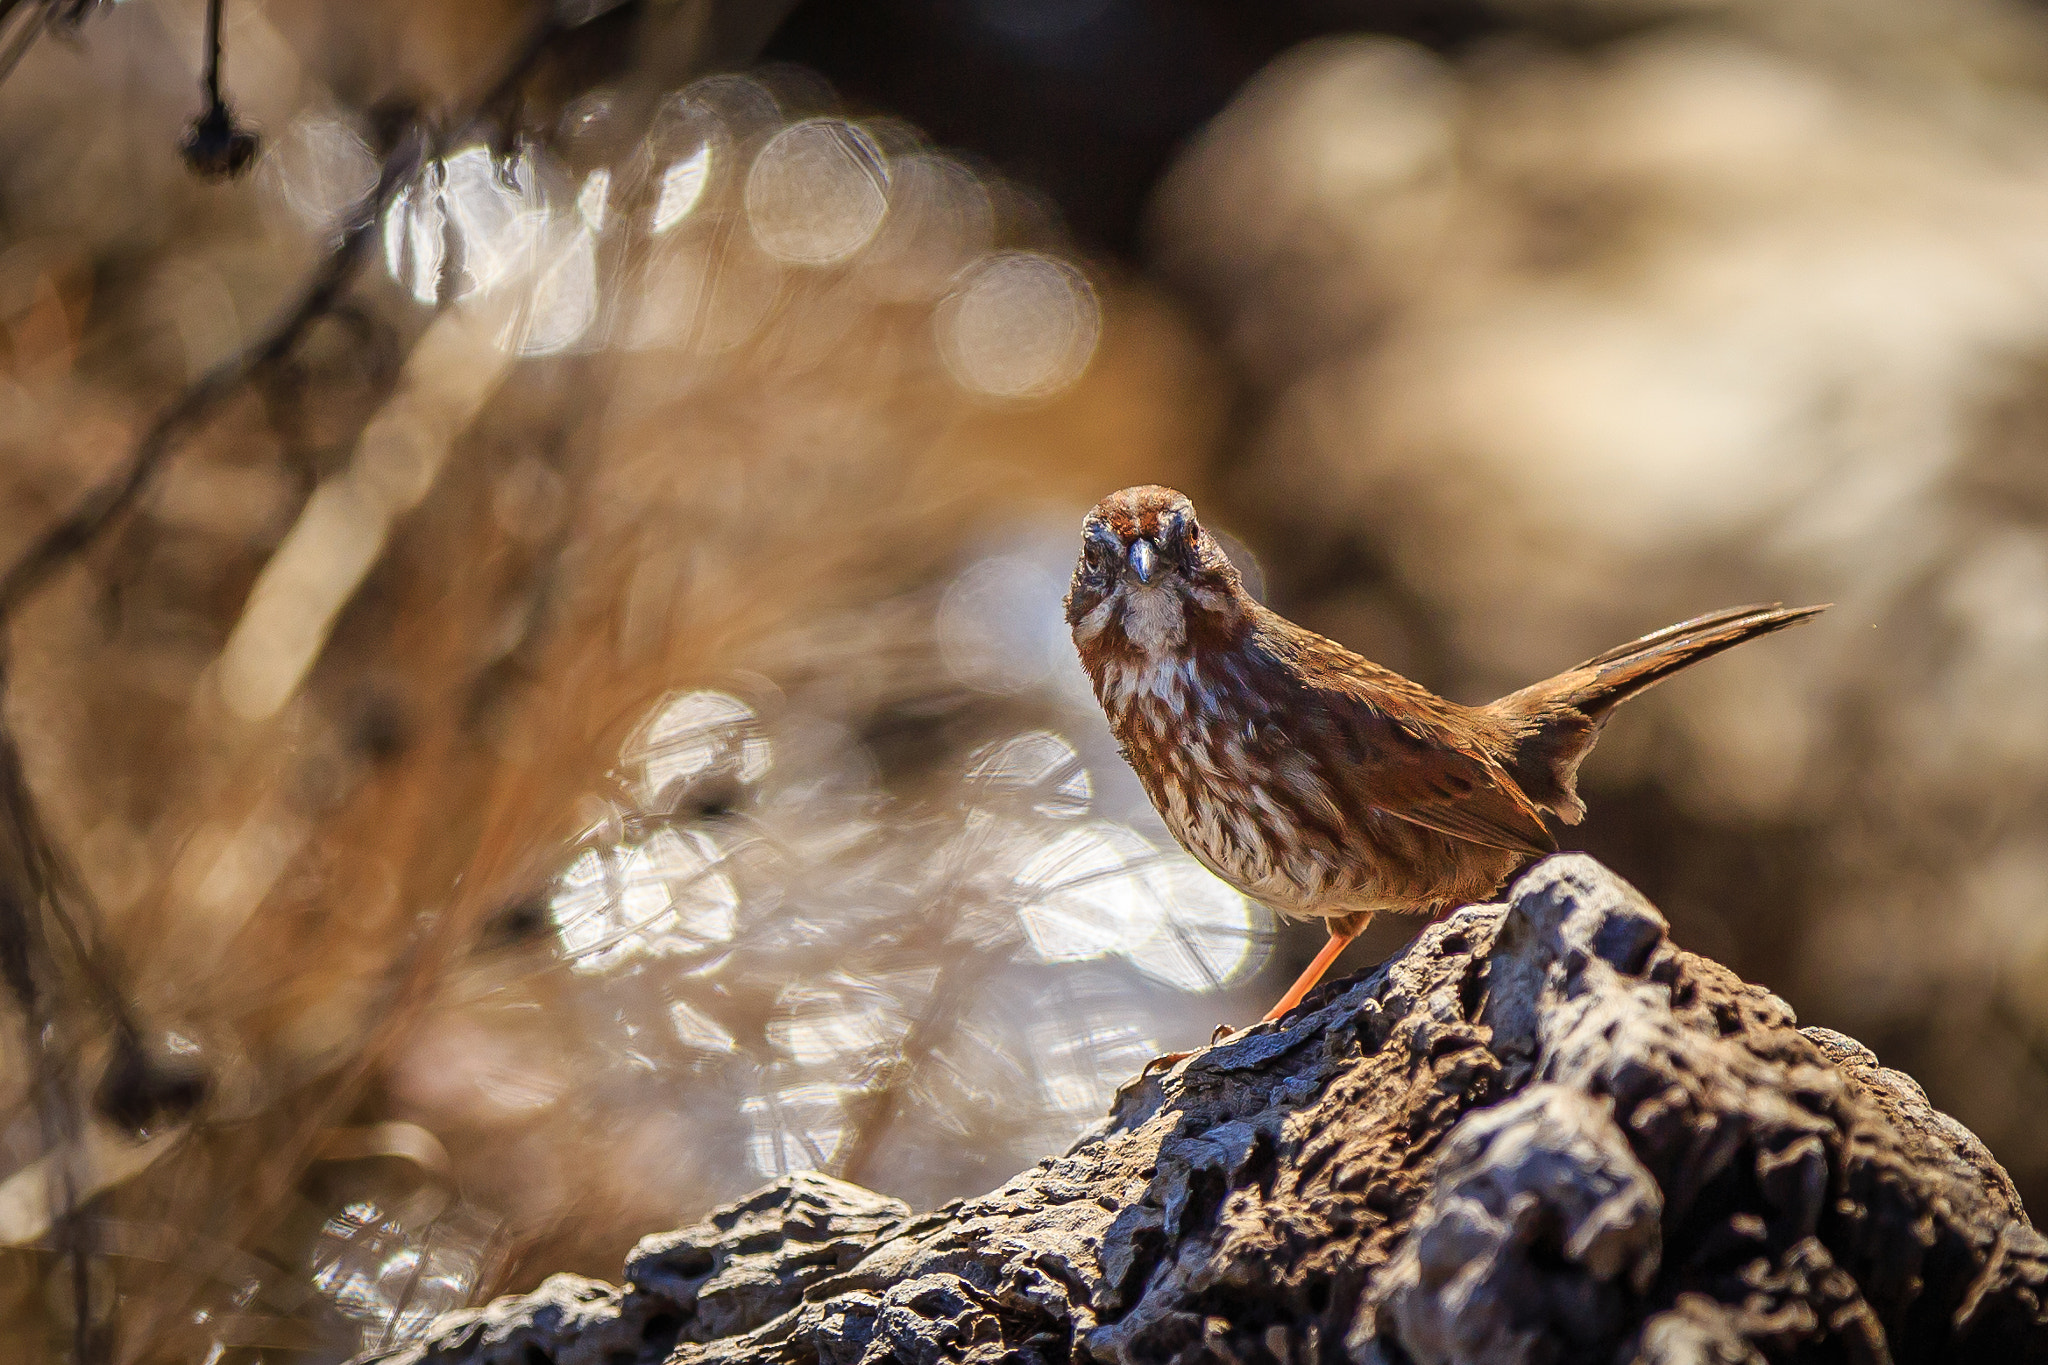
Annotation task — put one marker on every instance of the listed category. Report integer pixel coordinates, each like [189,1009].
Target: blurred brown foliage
[586,725]
[532,760]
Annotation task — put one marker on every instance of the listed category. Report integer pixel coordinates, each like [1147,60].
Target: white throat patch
[1154,621]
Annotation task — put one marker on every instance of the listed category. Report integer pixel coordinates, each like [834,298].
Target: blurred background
[535,697]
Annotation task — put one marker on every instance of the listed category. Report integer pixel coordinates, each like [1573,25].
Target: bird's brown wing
[1406,758]
[1424,780]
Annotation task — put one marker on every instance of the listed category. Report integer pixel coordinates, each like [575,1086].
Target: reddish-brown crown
[1141,511]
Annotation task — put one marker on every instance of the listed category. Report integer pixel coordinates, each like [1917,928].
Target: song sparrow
[1310,778]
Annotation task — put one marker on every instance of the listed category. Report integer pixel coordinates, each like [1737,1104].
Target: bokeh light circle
[1019,325]
[817,192]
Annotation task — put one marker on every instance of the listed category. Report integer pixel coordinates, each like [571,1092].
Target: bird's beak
[1144,559]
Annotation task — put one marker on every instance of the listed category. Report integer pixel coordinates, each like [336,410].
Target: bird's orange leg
[1342,931]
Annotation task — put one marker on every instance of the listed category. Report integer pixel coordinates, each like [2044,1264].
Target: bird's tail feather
[1553,723]
[1607,680]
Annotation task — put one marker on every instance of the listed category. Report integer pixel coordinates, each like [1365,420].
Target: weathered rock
[1541,1133]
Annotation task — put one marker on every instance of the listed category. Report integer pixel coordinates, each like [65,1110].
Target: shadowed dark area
[1084,101]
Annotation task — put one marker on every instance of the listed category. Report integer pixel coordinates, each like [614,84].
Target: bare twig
[100,507]
[42,16]
[32,882]
[213,8]
[37,886]
[45,879]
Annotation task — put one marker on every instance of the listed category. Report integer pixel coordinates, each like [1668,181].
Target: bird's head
[1149,573]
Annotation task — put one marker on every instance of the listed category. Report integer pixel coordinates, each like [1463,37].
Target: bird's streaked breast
[1204,782]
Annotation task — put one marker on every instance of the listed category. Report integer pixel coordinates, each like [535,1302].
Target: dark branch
[40,17]
[38,887]
[98,509]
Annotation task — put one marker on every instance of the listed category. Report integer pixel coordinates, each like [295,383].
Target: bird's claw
[1169,1060]
[1164,1062]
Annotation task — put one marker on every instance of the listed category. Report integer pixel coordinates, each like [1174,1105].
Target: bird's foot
[1166,1061]
[1156,1067]
[1169,1060]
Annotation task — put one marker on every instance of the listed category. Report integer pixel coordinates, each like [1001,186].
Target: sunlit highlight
[593,199]
[1103,889]
[682,185]
[1041,764]
[320,168]
[798,1129]
[665,897]
[693,736]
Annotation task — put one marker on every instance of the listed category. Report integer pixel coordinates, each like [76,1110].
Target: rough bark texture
[1542,1133]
